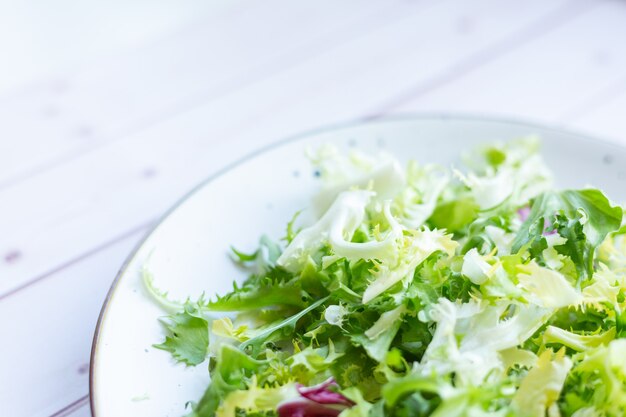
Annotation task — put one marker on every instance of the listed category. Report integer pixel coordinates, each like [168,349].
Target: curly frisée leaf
[254,399]
[341,219]
[412,251]
[583,217]
[599,380]
[578,342]
[422,291]
[469,336]
[263,259]
[188,336]
[377,339]
[160,296]
[541,387]
[288,324]
[547,288]
[339,173]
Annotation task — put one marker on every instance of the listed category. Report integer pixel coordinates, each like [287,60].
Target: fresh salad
[422,290]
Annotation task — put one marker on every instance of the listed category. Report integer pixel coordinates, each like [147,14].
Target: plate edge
[460,116]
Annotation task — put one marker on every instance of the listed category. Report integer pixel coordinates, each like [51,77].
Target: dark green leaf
[602,217]
[288,325]
[252,298]
[576,246]
[583,217]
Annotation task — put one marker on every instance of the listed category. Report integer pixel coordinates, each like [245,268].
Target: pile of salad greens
[422,291]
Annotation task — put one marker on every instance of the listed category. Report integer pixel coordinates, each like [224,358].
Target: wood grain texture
[52,325]
[38,39]
[115,188]
[546,79]
[603,114]
[79,407]
[109,100]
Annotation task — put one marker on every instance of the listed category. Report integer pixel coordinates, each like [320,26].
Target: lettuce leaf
[187,336]
[421,291]
[542,386]
[583,217]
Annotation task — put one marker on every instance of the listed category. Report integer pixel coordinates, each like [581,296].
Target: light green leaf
[188,336]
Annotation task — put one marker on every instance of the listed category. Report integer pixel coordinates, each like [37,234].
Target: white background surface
[110,111]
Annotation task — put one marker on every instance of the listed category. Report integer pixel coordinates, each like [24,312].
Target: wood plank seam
[179,32]
[202,98]
[544,25]
[603,96]
[482,57]
[71,407]
[85,255]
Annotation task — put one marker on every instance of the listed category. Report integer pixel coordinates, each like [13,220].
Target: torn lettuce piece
[344,217]
[383,249]
[187,336]
[469,336]
[377,339]
[233,372]
[541,387]
[422,294]
[578,342]
[263,259]
[223,331]
[418,200]
[547,288]
[476,268]
[515,166]
[604,290]
[382,174]
[583,217]
[454,215]
[337,228]
[255,399]
[411,252]
[601,374]
[489,191]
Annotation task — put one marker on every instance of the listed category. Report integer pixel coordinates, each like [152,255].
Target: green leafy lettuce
[421,291]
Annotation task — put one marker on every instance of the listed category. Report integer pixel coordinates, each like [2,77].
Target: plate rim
[396,117]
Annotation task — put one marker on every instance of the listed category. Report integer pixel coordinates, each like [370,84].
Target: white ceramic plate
[259,194]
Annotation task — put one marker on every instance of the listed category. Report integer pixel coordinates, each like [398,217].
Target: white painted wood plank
[117,187]
[38,37]
[51,324]
[164,160]
[386,63]
[78,407]
[126,156]
[604,115]
[107,100]
[265,125]
[546,78]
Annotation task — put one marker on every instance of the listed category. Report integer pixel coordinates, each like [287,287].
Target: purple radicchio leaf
[317,401]
[323,393]
[302,407]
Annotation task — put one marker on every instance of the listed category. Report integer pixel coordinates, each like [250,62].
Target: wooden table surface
[110,112]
